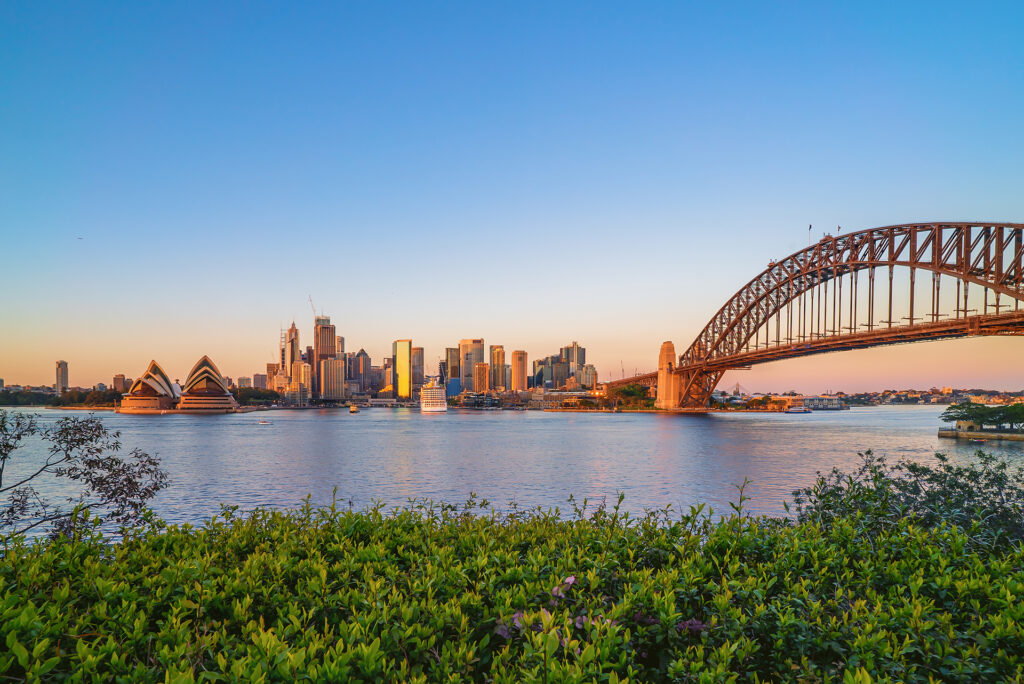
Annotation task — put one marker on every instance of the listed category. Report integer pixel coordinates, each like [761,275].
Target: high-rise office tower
[497,367]
[471,352]
[119,384]
[364,368]
[481,377]
[417,367]
[259,381]
[451,358]
[575,356]
[588,376]
[518,371]
[339,345]
[302,373]
[332,379]
[244,382]
[401,353]
[292,350]
[324,347]
[61,385]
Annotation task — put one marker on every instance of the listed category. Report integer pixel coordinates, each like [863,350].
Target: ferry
[433,398]
[798,409]
[353,409]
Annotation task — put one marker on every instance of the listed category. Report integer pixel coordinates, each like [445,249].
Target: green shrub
[985,499]
[431,593]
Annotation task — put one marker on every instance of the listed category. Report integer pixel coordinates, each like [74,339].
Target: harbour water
[533,458]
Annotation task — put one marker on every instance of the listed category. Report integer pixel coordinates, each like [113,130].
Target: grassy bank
[426,594]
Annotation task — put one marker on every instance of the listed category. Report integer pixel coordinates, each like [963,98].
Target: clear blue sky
[526,173]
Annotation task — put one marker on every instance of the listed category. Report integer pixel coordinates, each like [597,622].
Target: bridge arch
[987,255]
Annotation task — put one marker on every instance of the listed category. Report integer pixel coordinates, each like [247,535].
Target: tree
[975,413]
[82,452]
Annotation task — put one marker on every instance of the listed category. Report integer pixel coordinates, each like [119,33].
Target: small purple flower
[517,620]
[691,625]
[581,622]
[503,631]
[569,581]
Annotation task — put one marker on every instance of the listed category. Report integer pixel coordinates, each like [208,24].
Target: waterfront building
[508,376]
[205,390]
[259,381]
[272,369]
[481,377]
[417,367]
[292,351]
[279,383]
[587,376]
[518,383]
[324,347]
[302,372]
[471,352]
[297,394]
[401,354]
[497,365]
[61,385]
[332,379]
[244,383]
[152,392]
[120,383]
[454,386]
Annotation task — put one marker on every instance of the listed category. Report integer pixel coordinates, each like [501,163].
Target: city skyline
[620,174]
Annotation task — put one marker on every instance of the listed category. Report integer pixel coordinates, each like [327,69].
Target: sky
[178,179]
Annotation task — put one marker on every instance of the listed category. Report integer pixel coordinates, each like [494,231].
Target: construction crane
[311,305]
[623,367]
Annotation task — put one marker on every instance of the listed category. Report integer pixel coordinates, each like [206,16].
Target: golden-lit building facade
[401,354]
[205,390]
[152,392]
[481,377]
[518,371]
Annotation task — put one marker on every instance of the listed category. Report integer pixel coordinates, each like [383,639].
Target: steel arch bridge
[881,286]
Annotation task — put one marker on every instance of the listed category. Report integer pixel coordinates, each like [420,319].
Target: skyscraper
[339,345]
[61,385]
[324,347]
[481,377]
[497,367]
[292,350]
[120,383]
[417,367]
[401,352]
[451,357]
[519,371]
[332,379]
[259,381]
[575,356]
[471,352]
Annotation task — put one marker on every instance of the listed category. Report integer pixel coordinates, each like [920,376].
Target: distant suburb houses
[205,391]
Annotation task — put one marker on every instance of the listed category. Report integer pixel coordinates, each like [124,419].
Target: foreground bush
[441,595]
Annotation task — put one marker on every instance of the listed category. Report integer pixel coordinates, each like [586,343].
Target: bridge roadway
[993,324]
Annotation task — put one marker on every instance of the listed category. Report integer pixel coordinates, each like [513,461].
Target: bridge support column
[669,382]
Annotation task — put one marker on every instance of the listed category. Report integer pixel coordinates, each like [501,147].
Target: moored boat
[433,398]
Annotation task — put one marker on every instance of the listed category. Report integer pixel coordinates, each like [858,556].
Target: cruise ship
[433,398]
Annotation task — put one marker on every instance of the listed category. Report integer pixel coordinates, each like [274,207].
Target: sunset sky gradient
[176,179]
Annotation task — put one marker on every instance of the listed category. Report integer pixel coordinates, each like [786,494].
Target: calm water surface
[531,457]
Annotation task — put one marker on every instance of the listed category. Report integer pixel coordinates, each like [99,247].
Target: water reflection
[531,457]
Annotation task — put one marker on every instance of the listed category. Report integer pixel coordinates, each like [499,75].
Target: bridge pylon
[669,389]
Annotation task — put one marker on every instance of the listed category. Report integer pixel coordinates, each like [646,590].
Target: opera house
[205,391]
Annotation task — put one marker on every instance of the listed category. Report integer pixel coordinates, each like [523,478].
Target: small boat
[353,409]
[798,409]
[975,439]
